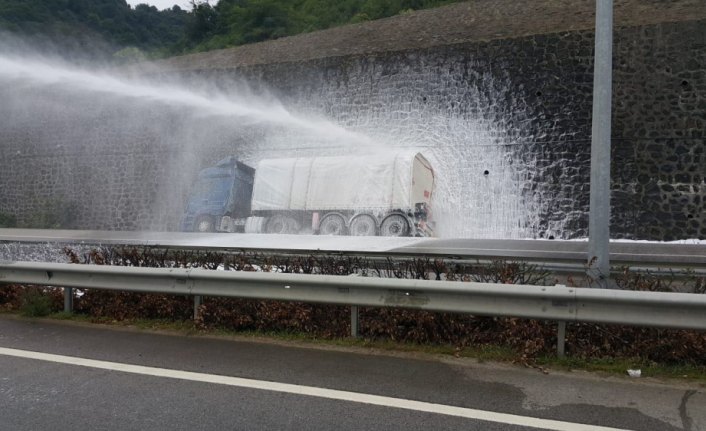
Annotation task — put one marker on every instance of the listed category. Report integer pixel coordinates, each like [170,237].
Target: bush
[31,301]
[35,303]
[528,338]
[11,296]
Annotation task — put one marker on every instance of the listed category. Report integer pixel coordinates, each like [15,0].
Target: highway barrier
[554,303]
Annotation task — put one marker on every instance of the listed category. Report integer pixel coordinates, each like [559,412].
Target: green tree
[130,54]
[202,22]
[111,28]
[93,26]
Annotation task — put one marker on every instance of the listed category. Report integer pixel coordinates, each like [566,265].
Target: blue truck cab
[221,190]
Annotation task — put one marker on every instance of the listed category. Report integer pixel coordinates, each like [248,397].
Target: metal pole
[354,320]
[197,304]
[68,300]
[561,339]
[599,212]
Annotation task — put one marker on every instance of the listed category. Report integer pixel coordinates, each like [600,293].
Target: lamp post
[599,211]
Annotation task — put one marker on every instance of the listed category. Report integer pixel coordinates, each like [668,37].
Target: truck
[385,194]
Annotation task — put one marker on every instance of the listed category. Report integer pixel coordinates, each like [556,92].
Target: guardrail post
[354,320]
[197,304]
[561,339]
[68,300]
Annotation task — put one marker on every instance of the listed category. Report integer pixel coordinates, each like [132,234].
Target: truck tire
[332,224]
[363,225]
[395,225]
[281,225]
[255,224]
[204,224]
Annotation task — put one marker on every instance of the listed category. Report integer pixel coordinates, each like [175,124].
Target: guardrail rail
[554,303]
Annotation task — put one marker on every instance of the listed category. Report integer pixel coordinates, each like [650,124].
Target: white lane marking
[312,391]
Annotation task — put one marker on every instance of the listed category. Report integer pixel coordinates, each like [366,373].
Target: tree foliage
[112,26]
[104,26]
[238,22]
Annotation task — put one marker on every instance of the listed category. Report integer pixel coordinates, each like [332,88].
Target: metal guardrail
[561,257]
[629,253]
[556,303]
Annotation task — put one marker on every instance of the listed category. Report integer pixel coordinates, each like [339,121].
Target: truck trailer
[387,194]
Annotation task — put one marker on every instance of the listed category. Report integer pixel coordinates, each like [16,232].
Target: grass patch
[63,315]
[185,327]
[482,353]
[619,366]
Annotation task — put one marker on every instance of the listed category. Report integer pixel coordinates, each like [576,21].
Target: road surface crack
[686,421]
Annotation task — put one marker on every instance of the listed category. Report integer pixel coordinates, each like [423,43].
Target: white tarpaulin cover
[380,181]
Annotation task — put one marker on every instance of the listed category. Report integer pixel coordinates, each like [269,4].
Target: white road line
[312,391]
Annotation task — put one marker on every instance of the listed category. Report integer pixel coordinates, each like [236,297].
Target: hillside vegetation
[96,27]
[114,29]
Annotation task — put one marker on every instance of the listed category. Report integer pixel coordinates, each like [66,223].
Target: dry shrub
[527,337]
[128,305]
[325,321]
[11,296]
[658,345]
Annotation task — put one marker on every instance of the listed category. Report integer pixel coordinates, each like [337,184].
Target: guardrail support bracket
[68,300]
[197,303]
[561,339]
[354,321]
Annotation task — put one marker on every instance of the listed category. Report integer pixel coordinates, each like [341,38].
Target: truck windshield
[215,190]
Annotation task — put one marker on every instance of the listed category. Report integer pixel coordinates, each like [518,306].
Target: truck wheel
[281,225]
[332,224]
[204,224]
[394,225]
[255,225]
[363,225]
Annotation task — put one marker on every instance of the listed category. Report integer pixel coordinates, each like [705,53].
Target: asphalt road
[103,378]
